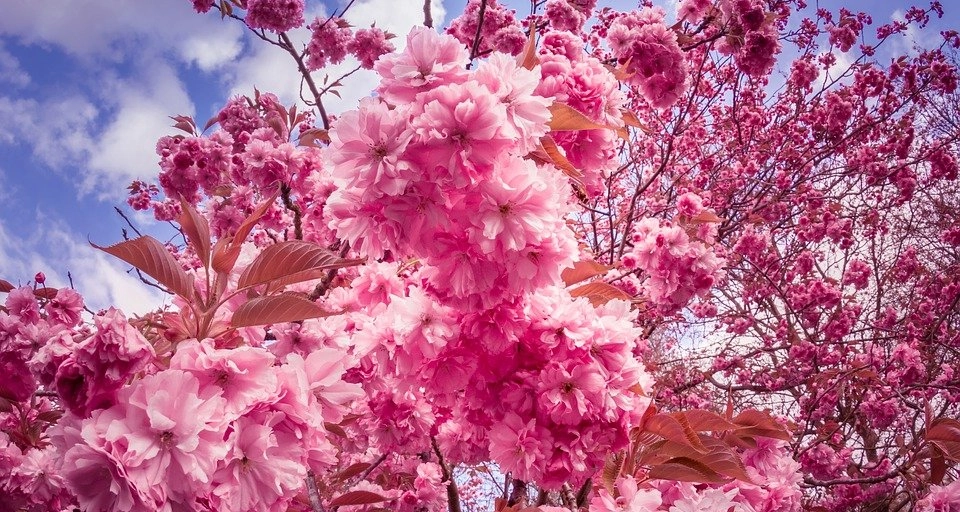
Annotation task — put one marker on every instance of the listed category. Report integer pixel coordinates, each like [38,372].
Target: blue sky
[85,90]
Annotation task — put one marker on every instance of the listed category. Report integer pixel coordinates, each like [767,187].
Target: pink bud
[40,278]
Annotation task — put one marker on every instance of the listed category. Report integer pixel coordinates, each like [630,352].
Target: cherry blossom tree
[575,259]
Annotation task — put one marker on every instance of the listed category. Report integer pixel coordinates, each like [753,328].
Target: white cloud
[55,131]
[118,30]
[101,279]
[125,149]
[65,133]
[10,72]
[210,52]
[912,38]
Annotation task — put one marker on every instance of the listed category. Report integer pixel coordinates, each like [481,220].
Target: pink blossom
[275,15]
[461,128]
[64,308]
[427,61]
[642,42]
[329,42]
[172,428]
[368,44]
[259,473]
[500,30]
[101,364]
[516,445]
[244,375]
[22,304]
[689,204]
[369,143]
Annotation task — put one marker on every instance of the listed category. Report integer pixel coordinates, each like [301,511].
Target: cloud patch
[102,280]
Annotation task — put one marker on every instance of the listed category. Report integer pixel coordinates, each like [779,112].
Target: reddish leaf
[583,270]
[944,433]
[333,428]
[185,123]
[227,251]
[566,118]
[291,262]
[247,225]
[357,498]
[938,466]
[528,57]
[631,119]
[675,429]
[755,423]
[556,156]
[599,293]
[611,470]
[197,230]
[276,309]
[151,257]
[706,217]
[310,137]
[210,122]
[351,471]
[685,470]
[6,286]
[705,421]
[46,293]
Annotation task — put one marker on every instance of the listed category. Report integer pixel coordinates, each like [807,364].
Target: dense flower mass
[436,168]
[652,56]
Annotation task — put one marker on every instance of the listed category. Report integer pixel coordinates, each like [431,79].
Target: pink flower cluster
[641,42]
[97,367]
[26,330]
[499,32]
[675,267]
[274,15]
[843,35]
[569,15]
[227,428]
[576,79]
[755,42]
[434,167]
[544,386]
[332,39]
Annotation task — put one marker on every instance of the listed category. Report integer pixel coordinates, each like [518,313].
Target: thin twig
[427,15]
[293,207]
[124,217]
[476,39]
[314,494]
[366,472]
[323,286]
[453,496]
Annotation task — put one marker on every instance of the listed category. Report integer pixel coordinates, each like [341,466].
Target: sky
[86,88]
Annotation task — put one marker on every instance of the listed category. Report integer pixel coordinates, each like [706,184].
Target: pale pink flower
[460,127]
[368,44]
[244,375]
[324,369]
[367,148]
[428,60]
[22,304]
[515,444]
[174,430]
[64,308]
[514,85]
[259,473]
[275,15]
